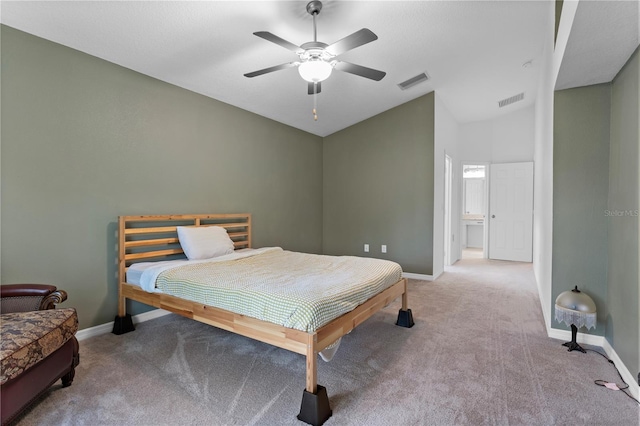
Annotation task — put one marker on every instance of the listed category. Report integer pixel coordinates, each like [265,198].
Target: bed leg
[123,324]
[405,317]
[315,409]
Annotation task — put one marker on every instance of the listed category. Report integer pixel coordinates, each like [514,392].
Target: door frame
[448,212]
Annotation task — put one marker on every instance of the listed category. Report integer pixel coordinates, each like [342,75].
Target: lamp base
[573,345]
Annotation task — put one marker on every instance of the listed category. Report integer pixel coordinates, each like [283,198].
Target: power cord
[613,386]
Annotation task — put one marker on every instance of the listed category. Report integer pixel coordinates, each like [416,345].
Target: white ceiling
[603,37]
[473,51]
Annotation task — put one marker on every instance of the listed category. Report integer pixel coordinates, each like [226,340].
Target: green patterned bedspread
[296,290]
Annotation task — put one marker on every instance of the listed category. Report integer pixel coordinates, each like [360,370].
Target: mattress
[296,290]
[136,270]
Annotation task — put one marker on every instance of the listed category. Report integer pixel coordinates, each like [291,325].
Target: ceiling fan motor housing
[315,49]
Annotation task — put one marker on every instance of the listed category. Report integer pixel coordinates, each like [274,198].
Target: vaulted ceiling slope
[603,36]
[472,51]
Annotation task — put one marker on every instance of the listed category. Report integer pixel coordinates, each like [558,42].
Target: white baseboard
[632,381]
[590,339]
[423,277]
[106,328]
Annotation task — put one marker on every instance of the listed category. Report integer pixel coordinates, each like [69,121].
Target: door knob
[493,216]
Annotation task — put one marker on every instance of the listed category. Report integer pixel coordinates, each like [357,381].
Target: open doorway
[474,210]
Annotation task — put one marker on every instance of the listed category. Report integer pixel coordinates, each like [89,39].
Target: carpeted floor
[478,355]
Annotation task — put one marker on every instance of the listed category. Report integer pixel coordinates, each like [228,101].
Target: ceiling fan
[318,59]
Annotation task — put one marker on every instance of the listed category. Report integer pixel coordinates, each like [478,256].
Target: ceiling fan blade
[314,88]
[352,41]
[279,41]
[360,70]
[271,69]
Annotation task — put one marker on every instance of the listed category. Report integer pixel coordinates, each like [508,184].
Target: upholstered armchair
[38,344]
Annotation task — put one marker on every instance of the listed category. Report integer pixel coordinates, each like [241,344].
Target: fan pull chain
[315,102]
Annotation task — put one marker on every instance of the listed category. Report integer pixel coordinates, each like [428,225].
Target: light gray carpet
[478,355]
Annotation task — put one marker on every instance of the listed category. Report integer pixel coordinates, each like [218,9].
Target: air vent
[509,101]
[413,81]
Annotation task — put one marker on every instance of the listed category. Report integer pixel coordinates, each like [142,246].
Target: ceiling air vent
[413,81]
[509,101]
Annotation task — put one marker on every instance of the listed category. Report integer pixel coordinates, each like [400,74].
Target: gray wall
[378,187]
[596,204]
[623,325]
[580,188]
[84,140]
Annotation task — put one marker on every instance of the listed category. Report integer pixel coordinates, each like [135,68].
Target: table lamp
[577,309]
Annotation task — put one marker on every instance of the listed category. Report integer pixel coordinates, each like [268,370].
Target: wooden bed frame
[154,238]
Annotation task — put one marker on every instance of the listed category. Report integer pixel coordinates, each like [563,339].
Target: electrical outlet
[366,248]
[383,248]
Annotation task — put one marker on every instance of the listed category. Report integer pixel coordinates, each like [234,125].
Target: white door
[511,212]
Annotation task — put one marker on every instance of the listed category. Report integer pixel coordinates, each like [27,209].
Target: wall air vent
[413,81]
[509,101]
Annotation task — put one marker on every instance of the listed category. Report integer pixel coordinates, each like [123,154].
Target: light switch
[366,248]
[383,248]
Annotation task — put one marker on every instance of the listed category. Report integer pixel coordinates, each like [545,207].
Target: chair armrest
[47,295]
[17,290]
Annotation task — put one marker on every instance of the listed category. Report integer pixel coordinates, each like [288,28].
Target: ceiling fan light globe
[315,71]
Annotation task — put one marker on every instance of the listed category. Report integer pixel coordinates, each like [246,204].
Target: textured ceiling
[603,37]
[472,51]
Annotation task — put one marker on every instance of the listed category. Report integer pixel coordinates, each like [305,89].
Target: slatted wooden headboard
[142,238]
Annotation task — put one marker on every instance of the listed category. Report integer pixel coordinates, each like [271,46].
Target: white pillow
[204,242]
